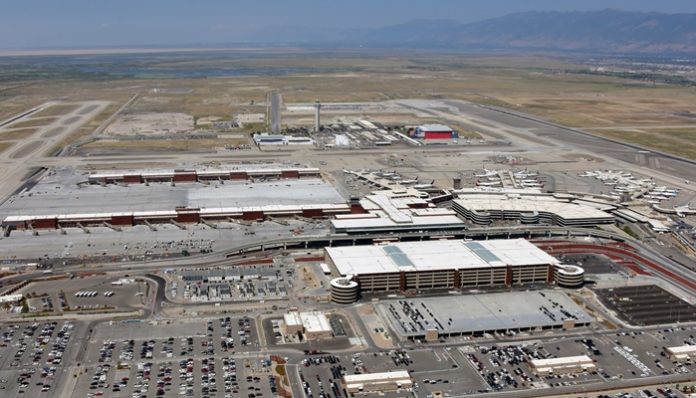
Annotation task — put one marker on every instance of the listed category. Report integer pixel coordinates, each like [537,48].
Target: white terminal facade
[389,211]
[442,264]
[483,209]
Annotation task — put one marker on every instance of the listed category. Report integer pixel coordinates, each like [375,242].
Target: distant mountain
[597,31]
[606,31]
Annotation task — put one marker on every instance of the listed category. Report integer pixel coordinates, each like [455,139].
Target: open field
[87,129]
[4,145]
[15,134]
[682,143]
[177,145]
[33,122]
[637,111]
[56,110]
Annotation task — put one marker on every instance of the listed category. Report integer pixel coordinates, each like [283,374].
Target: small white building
[574,364]
[316,325]
[378,382]
[10,298]
[681,352]
[313,324]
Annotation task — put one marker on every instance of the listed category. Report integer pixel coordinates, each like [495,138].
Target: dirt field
[16,134]
[56,110]
[150,124]
[32,122]
[162,145]
[5,145]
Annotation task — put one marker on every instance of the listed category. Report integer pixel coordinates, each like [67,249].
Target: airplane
[654,197]
[424,186]
[524,174]
[487,173]
[487,184]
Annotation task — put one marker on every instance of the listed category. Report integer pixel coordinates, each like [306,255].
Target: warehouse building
[442,264]
[576,364]
[378,382]
[483,209]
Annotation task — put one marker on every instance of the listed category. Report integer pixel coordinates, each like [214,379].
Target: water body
[160,65]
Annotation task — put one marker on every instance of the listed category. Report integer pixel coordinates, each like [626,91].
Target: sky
[26,24]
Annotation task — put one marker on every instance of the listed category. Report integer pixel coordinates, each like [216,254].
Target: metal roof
[434,127]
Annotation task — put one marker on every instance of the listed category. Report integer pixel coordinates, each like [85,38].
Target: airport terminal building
[443,264]
[483,209]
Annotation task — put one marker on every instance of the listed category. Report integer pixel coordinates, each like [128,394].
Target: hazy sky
[76,23]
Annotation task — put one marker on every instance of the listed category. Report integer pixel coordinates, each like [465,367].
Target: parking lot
[34,356]
[647,305]
[87,293]
[144,359]
[432,369]
[211,376]
[620,355]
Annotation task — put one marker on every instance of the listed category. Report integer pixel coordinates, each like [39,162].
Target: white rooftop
[390,213]
[436,255]
[372,377]
[380,221]
[292,318]
[51,197]
[563,361]
[682,349]
[434,127]
[315,321]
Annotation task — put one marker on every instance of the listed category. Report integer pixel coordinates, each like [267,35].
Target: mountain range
[605,31]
